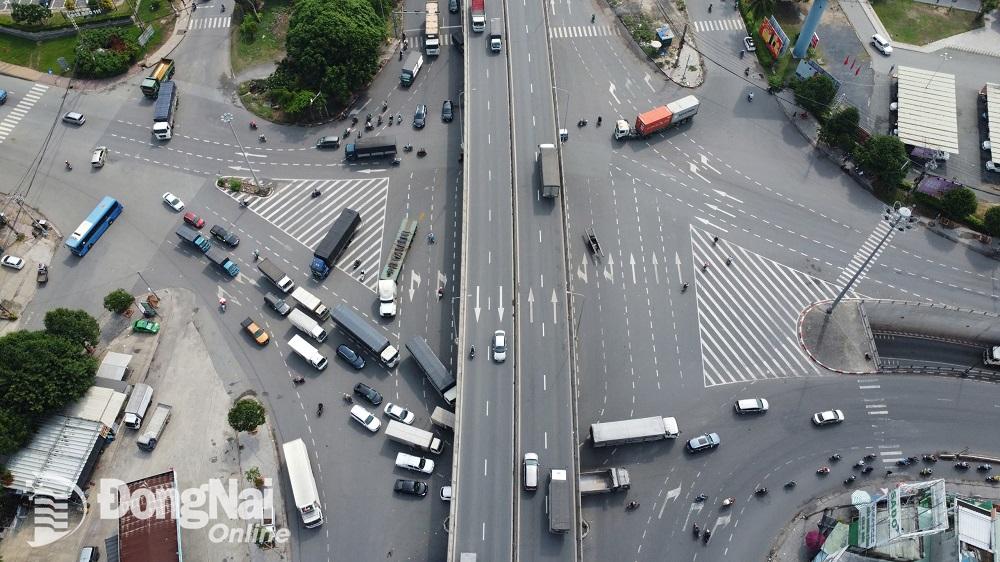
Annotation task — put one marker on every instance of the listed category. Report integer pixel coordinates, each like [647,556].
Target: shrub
[106,5]
[958,203]
[246,415]
[991,220]
[248,30]
[105,52]
[118,301]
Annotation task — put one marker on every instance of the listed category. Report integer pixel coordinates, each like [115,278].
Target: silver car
[499,346]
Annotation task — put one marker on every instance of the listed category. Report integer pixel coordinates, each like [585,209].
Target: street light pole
[228,119]
[565,91]
[148,288]
[897,214]
[579,317]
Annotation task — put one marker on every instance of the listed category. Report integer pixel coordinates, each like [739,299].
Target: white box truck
[311,303]
[633,431]
[304,322]
[157,423]
[414,437]
[303,482]
[307,352]
[437,374]
[443,418]
[496,31]
[138,403]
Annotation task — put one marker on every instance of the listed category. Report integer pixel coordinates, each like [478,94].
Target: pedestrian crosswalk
[883,230]
[574,31]
[292,208]
[416,41]
[748,312]
[212,22]
[18,111]
[729,24]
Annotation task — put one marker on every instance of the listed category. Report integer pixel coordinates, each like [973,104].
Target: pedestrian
[715,240]
[704,267]
[887,473]
[400,54]
[729,261]
[404,36]
[362,275]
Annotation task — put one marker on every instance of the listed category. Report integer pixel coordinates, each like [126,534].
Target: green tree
[248,30]
[333,47]
[246,415]
[987,6]
[106,5]
[105,52]
[958,203]
[14,431]
[75,325]
[30,14]
[816,93]
[118,301]
[884,159]
[299,103]
[992,220]
[840,128]
[760,6]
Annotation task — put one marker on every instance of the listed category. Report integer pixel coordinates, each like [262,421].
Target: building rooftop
[927,114]
[114,365]
[56,457]
[156,538]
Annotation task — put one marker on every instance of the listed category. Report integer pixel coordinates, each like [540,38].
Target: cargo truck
[157,423]
[221,258]
[311,304]
[311,327]
[443,418]
[413,436]
[303,482]
[633,431]
[478,15]
[560,502]
[332,245]
[604,481]
[548,159]
[432,20]
[411,67]
[366,334]
[163,111]
[370,147]
[437,374]
[387,287]
[194,237]
[992,355]
[276,276]
[138,403]
[164,70]
[306,351]
[496,31]
[658,119]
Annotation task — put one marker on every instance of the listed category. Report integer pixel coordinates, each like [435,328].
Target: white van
[304,322]
[415,463]
[530,471]
[307,352]
[138,403]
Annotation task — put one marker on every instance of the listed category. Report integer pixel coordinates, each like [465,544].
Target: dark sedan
[368,393]
[411,487]
[352,358]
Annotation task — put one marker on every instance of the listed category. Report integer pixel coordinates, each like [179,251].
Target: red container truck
[658,119]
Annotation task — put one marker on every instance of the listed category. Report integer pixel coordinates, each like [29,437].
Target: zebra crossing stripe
[870,243]
[20,110]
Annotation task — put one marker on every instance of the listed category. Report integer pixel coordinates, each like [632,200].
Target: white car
[828,417]
[75,118]
[751,406]
[99,156]
[415,463]
[499,347]
[13,262]
[445,493]
[881,44]
[399,413]
[172,200]
[365,418]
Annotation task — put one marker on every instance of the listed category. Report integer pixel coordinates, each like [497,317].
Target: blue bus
[91,229]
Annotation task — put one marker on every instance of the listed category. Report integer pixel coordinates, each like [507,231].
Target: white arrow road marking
[671,495]
[581,271]
[609,271]
[677,262]
[555,301]
[220,293]
[414,283]
[718,210]
[695,509]
[704,162]
[442,279]
[656,269]
[611,90]
[694,171]
[706,222]
[631,262]
[649,81]
[242,169]
[500,308]
[249,155]
[477,309]
[531,306]
[725,195]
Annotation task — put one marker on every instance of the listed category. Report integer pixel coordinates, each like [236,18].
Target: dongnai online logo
[51,521]
[192,508]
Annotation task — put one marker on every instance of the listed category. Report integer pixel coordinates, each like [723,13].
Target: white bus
[300,474]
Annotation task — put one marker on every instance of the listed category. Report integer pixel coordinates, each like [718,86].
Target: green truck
[164,70]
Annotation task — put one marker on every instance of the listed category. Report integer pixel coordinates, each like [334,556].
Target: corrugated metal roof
[993,111]
[51,464]
[928,115]
[151,539]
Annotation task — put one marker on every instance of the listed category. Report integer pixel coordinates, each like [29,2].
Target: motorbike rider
[472,351]
[68,165]
[222,304]
[750,96]
[319,409]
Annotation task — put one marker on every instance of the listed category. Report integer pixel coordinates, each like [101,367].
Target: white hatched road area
[18,111]
[415,39]
[729,24]
[574,31]
[748,313]
[858,259]
[293,209]
[211,22]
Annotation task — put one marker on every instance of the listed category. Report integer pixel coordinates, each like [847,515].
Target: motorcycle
[368,125]
[903,462]
[913,458]
[407,148]
[750,97]
[421,153]
[728,502]
[222,305]
[316,193]
[867,469]
[848,480]
[700,498]
[926,472]
[472,352]
[347,398]
[823,470]
[760,492]
[707,535]
[930,458]
[68,165]
[262,138]
[399,118]
[859,464]
[396,161]
[581,123]
[319,410]
[632,506]
[790,484]
[994,478]
[379,120]
[599,120]
[962,465]
[245,203]
[696,530]
[357,264]
[870,457]
[253,125]
[298,380]
[835,457]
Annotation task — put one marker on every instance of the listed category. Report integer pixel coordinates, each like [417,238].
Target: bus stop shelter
[927,114]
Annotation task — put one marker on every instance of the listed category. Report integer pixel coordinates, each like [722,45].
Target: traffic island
[840,340]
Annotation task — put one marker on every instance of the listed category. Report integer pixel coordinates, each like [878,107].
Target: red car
[194,220]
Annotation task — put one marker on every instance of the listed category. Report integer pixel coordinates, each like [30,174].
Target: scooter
[347,398]
[253,125]
[298,380]
[222,305]
[262,138]
[421,153]
[245,203]
[707,535]
[850,479]
[926,472]
[867,469]
[728,502]
[68,165]
[984,467]
[581,123]
[870,457]
[357,264]
[396,161]
[316,193]
[399,118]
[472,352]
[319,410]
[790,484]
[407,148]
[700,498]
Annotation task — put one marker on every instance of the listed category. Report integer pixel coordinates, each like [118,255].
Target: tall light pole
[566,105]
[228,119]
[896,215]
[578,316]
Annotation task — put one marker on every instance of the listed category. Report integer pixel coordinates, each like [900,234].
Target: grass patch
[919,24]
[270,42]
[39,55]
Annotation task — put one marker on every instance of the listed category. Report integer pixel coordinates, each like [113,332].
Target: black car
[228,238]
[447,113]
[368,393]
[349,355]
[328,142]
[411,487]
[458,41]
[420,116]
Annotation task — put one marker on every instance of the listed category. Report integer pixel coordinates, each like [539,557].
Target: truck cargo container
[548,159]
[604,481]
[560,502]
[432,21]
[443,418]
[276,275]
[163,111]
[164,70]
[496,32]
[437,374]
[365,333]
[303,322]
[332,245]
[221,258]
[478,11]
[387,288]
[306,351]
[311,304]
[413,436]
[138,403]
[633,431]
[370,147]
[154,429]
[194,237]
[658,119]
[300,475]
[411,67]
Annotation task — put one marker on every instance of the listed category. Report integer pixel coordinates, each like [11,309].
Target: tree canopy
[816,93]
[118,301]
[884,158]
[75,325]
[992,220]
[958,203]
[105,52]
[840,128]
[30,14]
[246,415]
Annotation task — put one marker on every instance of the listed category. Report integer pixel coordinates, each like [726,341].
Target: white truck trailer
[414,437]
[633,431]
[303,482]
[304,322]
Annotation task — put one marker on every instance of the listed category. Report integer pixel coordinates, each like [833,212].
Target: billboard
[774,38]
